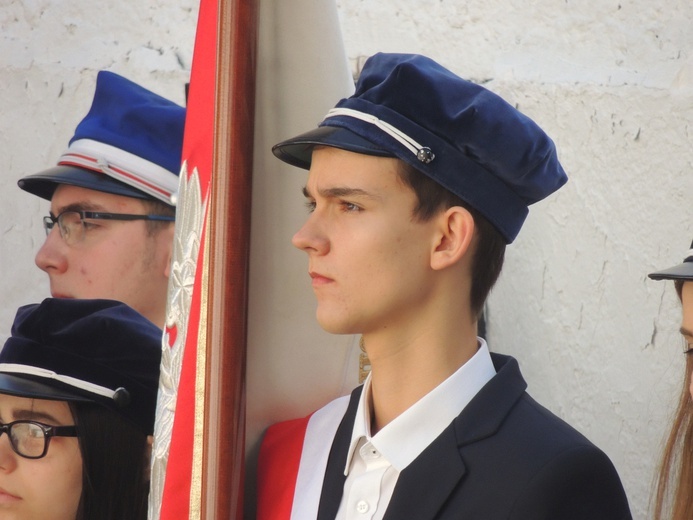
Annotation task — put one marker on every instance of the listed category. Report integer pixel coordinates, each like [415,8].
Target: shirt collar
[403,439]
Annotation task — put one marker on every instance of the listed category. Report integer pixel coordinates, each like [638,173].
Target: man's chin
[335,326]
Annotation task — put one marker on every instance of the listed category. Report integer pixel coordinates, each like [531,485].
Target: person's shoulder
[534,415]
[545,467]
[283,431]
[564,471]
[521,415]
[286,444]
[573,479]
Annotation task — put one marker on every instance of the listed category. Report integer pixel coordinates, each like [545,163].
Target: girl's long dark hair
[114,464]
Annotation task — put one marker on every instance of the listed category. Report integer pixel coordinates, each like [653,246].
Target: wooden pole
[222,476]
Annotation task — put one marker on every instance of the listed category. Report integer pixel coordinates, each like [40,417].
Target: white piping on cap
[146,176]
[15,368]
[422,153]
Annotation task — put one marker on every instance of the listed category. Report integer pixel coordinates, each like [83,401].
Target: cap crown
[456,132]
[129,143]
[77,349]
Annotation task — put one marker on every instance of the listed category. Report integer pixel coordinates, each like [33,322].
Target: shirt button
[362,506]
[368,452]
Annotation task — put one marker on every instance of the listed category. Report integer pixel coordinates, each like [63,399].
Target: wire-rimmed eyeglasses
[73,227]
[30,439]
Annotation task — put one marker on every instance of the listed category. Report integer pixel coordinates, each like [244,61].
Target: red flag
[303,72]
[197,459]
[172,456]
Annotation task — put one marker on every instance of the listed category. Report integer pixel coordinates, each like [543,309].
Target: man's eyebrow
[339,191]
[80,206]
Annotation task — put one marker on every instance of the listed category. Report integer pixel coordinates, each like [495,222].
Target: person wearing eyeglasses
[673,498]
[78,389]
[113,195]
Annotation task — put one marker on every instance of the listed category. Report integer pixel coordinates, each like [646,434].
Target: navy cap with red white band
[130,143]
[97,351]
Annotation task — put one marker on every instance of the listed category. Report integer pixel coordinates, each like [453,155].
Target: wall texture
[612,83]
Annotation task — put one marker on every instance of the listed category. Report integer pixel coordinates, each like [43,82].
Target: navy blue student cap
[456,132]
[98,351]
[129,143]
[682,271]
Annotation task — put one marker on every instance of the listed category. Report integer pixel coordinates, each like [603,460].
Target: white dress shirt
[374,462]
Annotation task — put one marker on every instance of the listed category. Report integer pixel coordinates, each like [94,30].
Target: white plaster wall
[612,83]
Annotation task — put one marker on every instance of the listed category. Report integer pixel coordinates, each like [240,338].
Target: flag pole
[224,452]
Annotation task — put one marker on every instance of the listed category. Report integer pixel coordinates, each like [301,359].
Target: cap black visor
[682,271]
[22,386]
[298,150]
[43,184]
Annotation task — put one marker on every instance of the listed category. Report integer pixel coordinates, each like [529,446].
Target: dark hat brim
[298,150]
[682,271]
[44,184]
[18,386]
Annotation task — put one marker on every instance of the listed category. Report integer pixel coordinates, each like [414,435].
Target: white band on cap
[423,153]
[15,368]
[123,166]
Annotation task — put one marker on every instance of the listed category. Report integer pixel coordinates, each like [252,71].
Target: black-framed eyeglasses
[73,227]
[30,439]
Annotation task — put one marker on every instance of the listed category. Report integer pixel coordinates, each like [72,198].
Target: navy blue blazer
[504,457]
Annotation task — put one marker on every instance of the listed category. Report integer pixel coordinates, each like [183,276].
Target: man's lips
[6,496]
[319,279]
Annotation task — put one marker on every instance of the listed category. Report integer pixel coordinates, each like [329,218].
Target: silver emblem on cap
[423,153]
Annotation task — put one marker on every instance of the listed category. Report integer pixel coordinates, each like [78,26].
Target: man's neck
[405,370]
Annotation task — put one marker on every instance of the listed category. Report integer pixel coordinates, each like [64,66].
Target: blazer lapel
[333,484]
[484,414]
[424,486]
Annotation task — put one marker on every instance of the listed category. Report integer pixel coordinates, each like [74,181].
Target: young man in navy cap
[113,199]
[416,184]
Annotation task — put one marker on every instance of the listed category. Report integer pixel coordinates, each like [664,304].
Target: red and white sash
[292,464]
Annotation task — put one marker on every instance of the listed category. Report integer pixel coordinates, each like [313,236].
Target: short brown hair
[487,261]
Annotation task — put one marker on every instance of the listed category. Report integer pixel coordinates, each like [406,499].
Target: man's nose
[311,238]
[51,256]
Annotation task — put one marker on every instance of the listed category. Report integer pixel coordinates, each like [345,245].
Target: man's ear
[455,231]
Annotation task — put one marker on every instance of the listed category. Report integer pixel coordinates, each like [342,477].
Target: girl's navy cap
[456,132]
[98,351]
